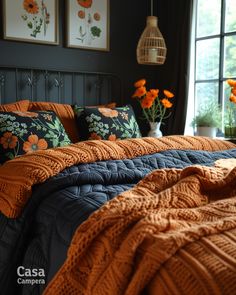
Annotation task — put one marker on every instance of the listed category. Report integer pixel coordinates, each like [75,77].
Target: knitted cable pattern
[173,233]
[19,175]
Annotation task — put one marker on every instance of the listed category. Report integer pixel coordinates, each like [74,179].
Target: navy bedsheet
[40,237]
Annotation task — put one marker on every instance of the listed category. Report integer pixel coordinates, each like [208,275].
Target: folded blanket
[19,175]
[174,232]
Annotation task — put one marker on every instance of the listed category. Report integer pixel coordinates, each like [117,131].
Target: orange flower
[96,16]
[31,6]
[112,137]
[233,90]
[140,83]
[146,103]
[26,114]
[106,112]
[166,103]
[34,143]
[8,140]
[152,94]
[94,136]
[168,94]
[232,98]
[85,3]
[139,92]
[231,82]
[81,14]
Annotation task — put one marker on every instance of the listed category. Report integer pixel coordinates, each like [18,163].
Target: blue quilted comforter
[40,237]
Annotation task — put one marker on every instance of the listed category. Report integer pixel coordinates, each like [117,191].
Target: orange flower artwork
[34,143]
[97,16]
[95,136]
[36,17]
[106,112]
[8,140]
[91,28]
[26,114]
[85,3]
[31,6]
[81,14]
[112,137]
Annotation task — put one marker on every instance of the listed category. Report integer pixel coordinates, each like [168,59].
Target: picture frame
[88,24]
[34,21]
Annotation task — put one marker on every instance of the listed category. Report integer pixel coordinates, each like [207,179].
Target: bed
[133,216]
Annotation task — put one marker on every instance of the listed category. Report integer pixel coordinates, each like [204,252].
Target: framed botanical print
[88,24]
[31,20]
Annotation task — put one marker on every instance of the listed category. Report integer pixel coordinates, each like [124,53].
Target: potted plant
[207,120]
[230,114]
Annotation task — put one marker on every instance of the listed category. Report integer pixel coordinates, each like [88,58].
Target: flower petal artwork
[36,17]
[31,20]
[87,22]
[85,3]
[31,6]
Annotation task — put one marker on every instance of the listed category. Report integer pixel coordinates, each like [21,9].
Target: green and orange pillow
[108,124]
[66,114]
[26,132]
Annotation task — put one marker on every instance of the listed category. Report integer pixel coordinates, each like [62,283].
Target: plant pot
[155,129]
[230,131]
[206,131]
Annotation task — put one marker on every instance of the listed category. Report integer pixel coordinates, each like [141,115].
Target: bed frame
[80,87]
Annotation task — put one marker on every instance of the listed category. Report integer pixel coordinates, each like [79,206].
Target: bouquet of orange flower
[154,108]
[231,106]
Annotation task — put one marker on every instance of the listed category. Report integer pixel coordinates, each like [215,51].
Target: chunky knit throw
[173,233]
[19,175]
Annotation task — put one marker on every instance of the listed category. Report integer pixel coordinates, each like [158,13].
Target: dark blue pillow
[25,132]
[106,123]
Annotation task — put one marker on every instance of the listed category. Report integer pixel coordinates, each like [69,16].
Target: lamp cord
[151,7]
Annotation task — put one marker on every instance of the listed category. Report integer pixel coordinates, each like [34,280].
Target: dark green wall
[127,21]
[126,24]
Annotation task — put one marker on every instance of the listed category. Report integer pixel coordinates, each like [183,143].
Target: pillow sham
[64,112]
[21,105]
[25,132]
[109,124]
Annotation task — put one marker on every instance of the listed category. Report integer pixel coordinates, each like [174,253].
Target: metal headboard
[35,84]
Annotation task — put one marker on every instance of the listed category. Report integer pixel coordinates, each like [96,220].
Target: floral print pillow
[26,132]
[109,124]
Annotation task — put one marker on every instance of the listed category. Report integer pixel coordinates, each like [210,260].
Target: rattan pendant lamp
[151,49]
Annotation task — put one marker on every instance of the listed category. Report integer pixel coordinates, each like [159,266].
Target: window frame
[193,62]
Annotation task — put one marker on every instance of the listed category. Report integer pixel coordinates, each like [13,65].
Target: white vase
[207,131]
[155,129]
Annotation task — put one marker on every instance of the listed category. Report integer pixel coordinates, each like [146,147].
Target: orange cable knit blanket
[19,175]
[173,233]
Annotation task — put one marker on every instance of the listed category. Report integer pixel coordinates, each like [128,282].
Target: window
[213,53]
